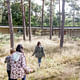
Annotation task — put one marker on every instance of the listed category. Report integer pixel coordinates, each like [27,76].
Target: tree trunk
[25,22]
[23,17]
[29,20]
[59,18]
[73,18]
[63,21]
[42,14]
[51,21]
[10,25]
[52,17]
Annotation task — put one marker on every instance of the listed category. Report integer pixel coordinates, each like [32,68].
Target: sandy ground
[59,64]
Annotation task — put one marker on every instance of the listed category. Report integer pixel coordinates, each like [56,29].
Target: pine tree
[42,14]
[63,21]
[51,19]
[23,17]
[29,20]
[10,25]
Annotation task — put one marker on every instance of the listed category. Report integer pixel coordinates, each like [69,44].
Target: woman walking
[18,64]
[7,61]
[39,52]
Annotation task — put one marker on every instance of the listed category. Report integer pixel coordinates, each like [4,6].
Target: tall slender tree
[51,18]
[59,17]
[25,22]
[42,14]
[29,20]
[73,20]
[10,25]
[73,6]
[23,17]
[63,21]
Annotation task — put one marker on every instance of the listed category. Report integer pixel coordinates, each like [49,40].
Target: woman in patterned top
[7,60]
[18,64]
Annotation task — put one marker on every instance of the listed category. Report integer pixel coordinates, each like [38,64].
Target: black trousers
[8,72]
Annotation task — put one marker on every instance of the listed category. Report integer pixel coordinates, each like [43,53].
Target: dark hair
[38,43]
[19,47]
[12,51]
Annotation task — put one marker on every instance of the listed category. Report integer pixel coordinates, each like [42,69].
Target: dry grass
[59,64]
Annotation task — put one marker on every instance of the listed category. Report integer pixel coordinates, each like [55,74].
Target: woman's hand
[31,70]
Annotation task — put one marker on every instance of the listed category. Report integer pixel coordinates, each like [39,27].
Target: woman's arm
[43,51]
[26,69]
[34,51]
[6,59]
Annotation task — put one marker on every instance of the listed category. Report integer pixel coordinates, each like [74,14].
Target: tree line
[24,24]
[39,15]
[17,12]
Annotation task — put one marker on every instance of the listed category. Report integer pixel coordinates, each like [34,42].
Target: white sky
[39,2]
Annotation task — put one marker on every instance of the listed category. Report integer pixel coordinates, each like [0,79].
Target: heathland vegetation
[58,64]
[61,62]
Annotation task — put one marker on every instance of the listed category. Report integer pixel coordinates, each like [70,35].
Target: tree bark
[63,21]
[59,18]
[73,18]
[24,22]
[10,25]
[29,20]
[51,21]
[42,14]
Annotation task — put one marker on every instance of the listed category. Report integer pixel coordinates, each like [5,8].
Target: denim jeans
[24,78]
[39,60]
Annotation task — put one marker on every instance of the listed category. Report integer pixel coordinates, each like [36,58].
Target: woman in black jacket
[39,52]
